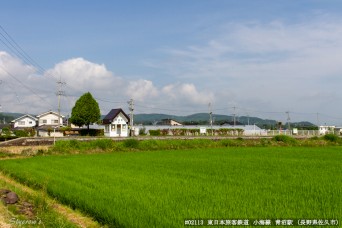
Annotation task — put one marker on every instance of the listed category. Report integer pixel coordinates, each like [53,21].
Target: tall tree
[85,111]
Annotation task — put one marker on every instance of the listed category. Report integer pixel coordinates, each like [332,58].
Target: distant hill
[7,117]
[203,118]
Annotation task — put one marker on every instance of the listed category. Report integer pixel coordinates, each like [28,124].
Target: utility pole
[131,109]
[211,119]
[288,120]
[317,119]
[234,116]
[60,92]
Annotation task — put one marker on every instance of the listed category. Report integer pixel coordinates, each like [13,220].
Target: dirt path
[71,215]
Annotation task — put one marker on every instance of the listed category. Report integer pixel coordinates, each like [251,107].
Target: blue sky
[263,57]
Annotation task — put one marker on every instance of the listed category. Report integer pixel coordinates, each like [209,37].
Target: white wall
[118,128]
[50,119]
[25,122]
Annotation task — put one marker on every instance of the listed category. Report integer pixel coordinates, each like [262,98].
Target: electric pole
[131,109]
[288,119]
[317,119]
[60,92]
[211,119]
[234,116]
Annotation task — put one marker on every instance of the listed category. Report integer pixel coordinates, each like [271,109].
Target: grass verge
[36,209]
[131,144]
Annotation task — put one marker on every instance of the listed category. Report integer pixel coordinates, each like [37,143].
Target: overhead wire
[25,86]
[20,53]
[12,44]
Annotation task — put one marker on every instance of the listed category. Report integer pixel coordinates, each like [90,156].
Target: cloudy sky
[253,57]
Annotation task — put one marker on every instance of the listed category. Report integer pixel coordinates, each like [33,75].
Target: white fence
[308,133]
[248,130]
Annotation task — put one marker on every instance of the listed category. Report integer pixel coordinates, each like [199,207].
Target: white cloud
[39,93]
[14,66]
[141,90]
[84,75]
[187,93]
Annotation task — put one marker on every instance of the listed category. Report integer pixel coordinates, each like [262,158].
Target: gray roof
[112,114]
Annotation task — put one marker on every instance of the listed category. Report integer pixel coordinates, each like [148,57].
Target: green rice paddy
[162,188]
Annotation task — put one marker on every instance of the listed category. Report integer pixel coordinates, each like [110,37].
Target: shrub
[265,142]
[21,133]
[331,138]
[6,131]
[314,138]
[131,143]
[150,144]
[142,131]
[27,152]
[91,132]
[102,144]
[284,138]
[154,132]
[164,132]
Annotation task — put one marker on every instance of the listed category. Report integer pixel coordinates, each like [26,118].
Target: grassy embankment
[34,208]
[162,188]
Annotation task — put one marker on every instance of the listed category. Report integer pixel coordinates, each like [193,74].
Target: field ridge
[75,217]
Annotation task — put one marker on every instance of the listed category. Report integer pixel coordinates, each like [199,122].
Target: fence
[308,133]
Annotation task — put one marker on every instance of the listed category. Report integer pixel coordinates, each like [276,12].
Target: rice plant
[162,188]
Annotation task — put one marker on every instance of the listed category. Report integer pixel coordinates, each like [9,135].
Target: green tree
[85,111]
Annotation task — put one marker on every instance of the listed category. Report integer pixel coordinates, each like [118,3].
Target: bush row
[108,145]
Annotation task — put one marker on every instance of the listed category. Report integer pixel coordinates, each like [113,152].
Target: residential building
[170,122]
[25,121]
[116,123]
[49,124]
[326,129]
[50,118]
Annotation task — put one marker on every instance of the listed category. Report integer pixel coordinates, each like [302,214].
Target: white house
[49,123]
[116,123]
[25,121]
[171,122]
[326,129]
[50,118]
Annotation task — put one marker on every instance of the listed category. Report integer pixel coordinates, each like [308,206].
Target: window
[30,122]
[106,128]
[21,123]
[44,121]
[54,121]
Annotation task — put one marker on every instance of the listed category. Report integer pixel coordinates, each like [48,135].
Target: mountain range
[203,118]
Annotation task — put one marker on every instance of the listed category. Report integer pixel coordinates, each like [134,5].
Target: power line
[12,44]
[25,86]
